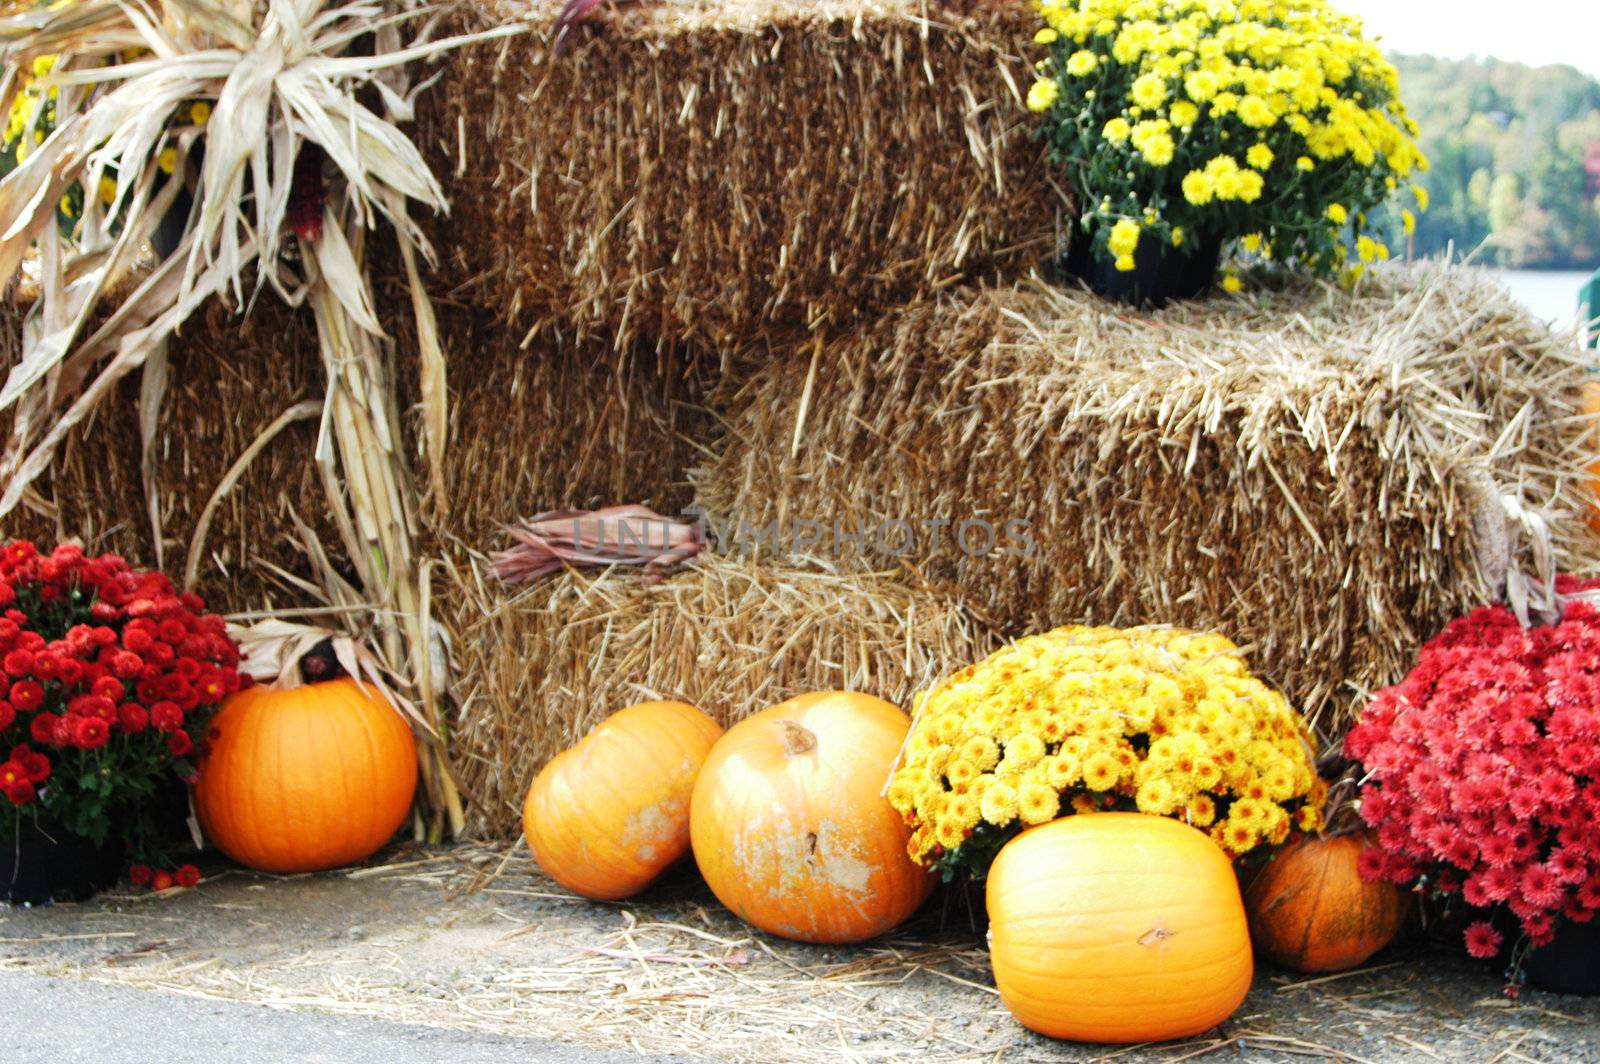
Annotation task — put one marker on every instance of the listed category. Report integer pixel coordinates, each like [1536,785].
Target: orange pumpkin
[307,778]
[609,815]
[791,829]
[1311,911]
[1117,927]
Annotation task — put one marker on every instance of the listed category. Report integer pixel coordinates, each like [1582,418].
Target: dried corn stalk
[297,167]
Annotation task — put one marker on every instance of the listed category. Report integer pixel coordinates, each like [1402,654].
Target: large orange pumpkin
[1311,911]
[609,815]
[307,778]
[1117,927]
[791,829]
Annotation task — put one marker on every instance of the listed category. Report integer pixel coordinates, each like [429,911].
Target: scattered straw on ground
[538,666]
[476,939]
[1302,469]
[710,172]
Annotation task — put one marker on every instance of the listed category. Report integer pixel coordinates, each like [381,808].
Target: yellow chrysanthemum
[1043,94]
[1082,63]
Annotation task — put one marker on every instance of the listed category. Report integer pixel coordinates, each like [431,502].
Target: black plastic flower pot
[1160,273]
[1570,964]
[42,863]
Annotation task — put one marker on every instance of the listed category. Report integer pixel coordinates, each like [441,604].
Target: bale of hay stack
[1313,472]
[229,379]
[710,172]
[554,426]
[538,666]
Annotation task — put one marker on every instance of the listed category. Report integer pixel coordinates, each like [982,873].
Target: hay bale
[229,378]
[565,424]
[558,425]
[538,666]
[1301,469]
[709,172]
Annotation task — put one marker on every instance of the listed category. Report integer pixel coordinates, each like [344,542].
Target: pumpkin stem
[798,740]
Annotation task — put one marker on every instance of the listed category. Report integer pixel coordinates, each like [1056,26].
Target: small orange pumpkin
[1311,911]
[790,827]
[1117,927]
[1590,408]
[306,778]
[609,815]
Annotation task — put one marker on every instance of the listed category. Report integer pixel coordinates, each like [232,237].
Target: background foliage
[1516,159]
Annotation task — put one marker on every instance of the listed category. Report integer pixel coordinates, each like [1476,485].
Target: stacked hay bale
[538,667]
[560,425]
[712,172]
[1313,472]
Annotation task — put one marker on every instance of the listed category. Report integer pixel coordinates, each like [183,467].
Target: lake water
[1549,294]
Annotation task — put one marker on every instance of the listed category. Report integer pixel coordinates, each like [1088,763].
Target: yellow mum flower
[1158,150]
[1201,86]
[1337,213]
[1177,236]
[1231,283]
[1184,114]
[167,160]
[1046,36]
[200,112]
[1201,811]
[108,190]
[1037,803]
[1149,91]
[1117,130]
[998,805]
[1305,163]
[1254,112]
[1125,263]
[1421,195]
[1124,237]
[1101,772]
[1043,95]
[1082,62]
[1408,222]
[1259,156]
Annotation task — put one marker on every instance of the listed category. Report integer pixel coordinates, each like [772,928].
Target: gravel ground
[475,940]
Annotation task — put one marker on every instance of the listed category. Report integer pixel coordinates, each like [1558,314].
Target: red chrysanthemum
[1483,941]
[1480,767]
[188,876]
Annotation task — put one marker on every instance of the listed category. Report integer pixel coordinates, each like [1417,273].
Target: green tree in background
[1516,160]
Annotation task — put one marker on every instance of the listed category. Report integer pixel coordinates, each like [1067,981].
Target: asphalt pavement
[67,1021]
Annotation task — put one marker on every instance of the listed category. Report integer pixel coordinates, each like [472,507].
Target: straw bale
[550,427]
[538,666]
[229,378]
[708,172]
[1312,472]
[565,424]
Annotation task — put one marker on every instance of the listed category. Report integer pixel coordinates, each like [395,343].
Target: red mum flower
[20,792]
[45,729]
[1568,865]
[179,743]
[188,876]
[1540,888]
[26,696]
[166,716]
[90,733]
[8,716]
[140,875]
[161,881]
[1483,941]
[133,718]
[126,664]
